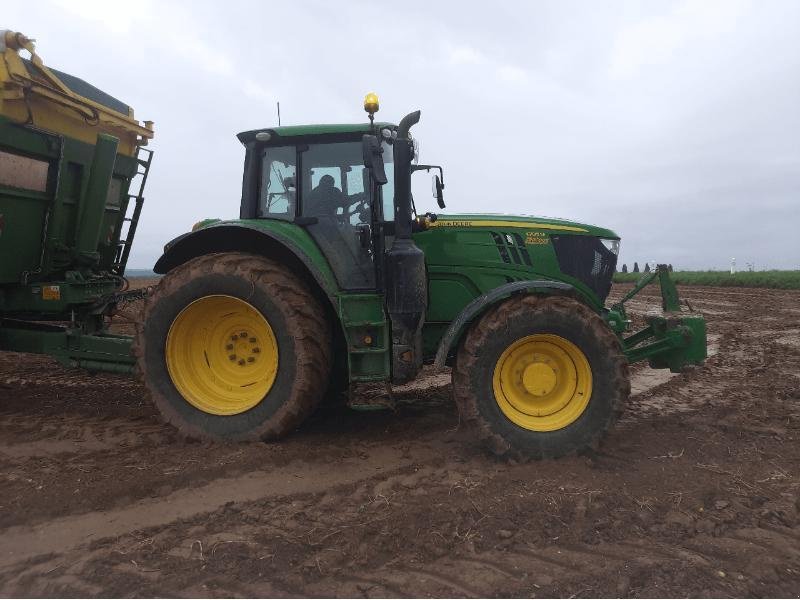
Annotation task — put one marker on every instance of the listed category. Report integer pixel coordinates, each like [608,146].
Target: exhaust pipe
[403,155]
[406,278]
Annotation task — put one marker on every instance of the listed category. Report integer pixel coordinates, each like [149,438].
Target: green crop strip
[783,280]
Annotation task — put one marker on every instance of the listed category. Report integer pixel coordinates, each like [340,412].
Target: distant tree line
[636,268]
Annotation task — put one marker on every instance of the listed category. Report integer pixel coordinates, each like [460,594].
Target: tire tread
[311,334]
[494,322]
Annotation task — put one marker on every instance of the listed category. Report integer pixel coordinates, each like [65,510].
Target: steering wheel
[357,206]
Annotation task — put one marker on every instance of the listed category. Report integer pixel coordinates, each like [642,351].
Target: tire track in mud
[24,542]
[508,569]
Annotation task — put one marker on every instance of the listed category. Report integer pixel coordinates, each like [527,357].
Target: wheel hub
[539,379]
[222,355]
[243,349]
[542,382]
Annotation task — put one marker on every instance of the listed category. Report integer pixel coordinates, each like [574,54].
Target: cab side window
[278,193]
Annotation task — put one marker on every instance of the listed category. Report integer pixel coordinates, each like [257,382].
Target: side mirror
[438,186]
[373,159]
[437,181]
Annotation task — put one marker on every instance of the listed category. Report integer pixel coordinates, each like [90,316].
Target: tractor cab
[314,176]
[340,184]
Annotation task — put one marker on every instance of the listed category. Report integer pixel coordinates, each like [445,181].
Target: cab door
[335,199]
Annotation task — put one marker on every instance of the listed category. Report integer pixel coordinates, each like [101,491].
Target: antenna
[279,114]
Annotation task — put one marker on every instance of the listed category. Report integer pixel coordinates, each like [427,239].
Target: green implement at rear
[72,172]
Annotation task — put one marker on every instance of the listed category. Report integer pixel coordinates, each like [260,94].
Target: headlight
[612,246]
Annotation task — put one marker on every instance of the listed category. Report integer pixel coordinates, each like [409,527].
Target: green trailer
[329,279]
[73,167]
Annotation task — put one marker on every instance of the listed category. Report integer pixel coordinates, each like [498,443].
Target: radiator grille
[586,258]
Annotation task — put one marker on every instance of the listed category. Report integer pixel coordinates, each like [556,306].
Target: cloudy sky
[677,124]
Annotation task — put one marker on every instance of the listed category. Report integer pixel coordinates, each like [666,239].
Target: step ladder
[132,209]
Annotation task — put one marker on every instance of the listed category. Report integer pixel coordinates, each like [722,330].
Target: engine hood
[499,221]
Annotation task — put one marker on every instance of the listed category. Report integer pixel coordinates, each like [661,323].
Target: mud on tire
[300,327]
[512,320]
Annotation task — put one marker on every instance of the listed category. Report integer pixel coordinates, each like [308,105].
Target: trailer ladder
[131,215]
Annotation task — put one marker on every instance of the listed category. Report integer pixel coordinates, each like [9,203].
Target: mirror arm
[428,169]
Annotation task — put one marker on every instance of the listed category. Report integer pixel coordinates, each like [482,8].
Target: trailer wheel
[540,377]
[234,347]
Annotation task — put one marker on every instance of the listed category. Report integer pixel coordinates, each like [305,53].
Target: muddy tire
[268,295]
[514,406]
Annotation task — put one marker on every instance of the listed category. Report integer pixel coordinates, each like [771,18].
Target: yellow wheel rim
[222,355]
[542,382]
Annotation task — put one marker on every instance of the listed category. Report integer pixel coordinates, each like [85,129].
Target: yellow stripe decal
[520,224]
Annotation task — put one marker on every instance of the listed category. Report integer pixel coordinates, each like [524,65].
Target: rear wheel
[234,347]
[540,377]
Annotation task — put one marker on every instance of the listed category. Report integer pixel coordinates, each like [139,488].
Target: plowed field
[695,493]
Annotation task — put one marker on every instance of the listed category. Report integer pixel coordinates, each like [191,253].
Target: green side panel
[451,292]
[367,333]
[65,228]
[26,182]
[491,256]
[44,182]
[466,262]
[22,216]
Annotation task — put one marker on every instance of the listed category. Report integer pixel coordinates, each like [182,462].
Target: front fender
[480,304]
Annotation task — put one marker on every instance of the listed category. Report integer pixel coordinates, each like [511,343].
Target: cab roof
[295,131]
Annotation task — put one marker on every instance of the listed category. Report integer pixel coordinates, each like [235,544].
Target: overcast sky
[677,124]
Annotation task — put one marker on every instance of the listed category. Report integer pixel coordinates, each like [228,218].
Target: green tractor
[328,280]
[330,276]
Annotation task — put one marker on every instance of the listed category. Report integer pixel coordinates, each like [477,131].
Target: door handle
[364,235]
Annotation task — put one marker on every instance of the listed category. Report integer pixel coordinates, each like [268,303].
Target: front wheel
[234,347]
[540,377]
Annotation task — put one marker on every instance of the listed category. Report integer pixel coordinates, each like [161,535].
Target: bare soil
[695,493]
